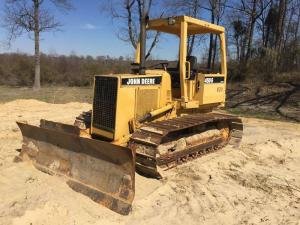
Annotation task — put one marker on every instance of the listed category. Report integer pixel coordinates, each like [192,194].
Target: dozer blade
[102,171]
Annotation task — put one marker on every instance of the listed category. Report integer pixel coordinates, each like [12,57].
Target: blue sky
[86,31]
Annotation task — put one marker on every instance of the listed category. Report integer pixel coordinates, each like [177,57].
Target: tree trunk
[280,24]
[237,43]
[214,53]
[211,38]
[129,23]
[215,41]
[288,29]
[191,39]
[263,34]
[297,26]
[267,25]
[280,31]
[191,42]
[251,30]
[266,40]
[37,74]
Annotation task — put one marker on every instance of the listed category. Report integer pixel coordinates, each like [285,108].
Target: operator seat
[193,63]
[174,72]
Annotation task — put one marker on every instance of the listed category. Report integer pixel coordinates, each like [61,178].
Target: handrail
[188,66]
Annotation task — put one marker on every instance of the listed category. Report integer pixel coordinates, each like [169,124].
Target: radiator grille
[104,105]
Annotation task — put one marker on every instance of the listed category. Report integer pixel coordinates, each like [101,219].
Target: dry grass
[275,101]
[55,95]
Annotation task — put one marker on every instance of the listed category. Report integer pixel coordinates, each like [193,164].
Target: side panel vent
[105,103]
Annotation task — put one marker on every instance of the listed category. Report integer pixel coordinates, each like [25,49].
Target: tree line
[262,35]
[17,69]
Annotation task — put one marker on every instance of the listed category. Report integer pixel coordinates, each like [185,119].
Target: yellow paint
[182,64]
[161,110]
[196,26]
[194,94]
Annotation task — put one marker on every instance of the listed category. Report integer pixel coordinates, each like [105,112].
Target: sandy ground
[256,184]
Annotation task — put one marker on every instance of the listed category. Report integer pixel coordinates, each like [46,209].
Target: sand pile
[256,184]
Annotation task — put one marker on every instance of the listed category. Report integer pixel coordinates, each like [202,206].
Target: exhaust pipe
[142,67]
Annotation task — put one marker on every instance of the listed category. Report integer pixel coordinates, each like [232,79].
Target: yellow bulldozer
[148,121]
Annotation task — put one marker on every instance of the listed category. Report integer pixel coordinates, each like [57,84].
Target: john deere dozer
[149,121]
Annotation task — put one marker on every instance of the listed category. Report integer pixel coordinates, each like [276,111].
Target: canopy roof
[195,26]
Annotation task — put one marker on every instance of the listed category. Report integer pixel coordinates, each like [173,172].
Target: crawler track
[146,140]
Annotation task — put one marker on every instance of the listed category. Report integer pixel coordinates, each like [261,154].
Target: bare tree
[239,31]
[29,16]
[217,9]
[194,8]
[129,13]
[248,12]
[280,24]
[185,7]
[288,47]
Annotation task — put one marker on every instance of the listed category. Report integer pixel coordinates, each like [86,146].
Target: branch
[19,17]
[129,22]
[262,10]
[48,22]
[149,6]
[154,42]
[140,9]
[65,5]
